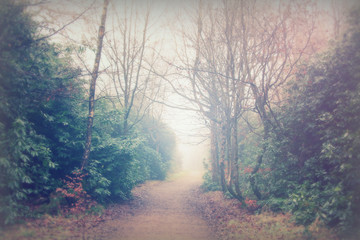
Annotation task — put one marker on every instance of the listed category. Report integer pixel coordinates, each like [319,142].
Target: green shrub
[314,156]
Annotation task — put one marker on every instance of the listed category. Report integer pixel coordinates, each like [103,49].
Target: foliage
[80,204]
[118,162]
[42,129]
[208,183]
[161,139]
[231,221]
[33,76]
[310,155]
[78,199]
[314,155]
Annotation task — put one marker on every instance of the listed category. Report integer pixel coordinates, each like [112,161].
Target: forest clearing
[108,108]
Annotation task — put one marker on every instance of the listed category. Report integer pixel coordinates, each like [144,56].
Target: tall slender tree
[94,76]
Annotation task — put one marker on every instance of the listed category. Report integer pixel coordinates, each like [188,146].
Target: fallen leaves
[230,221]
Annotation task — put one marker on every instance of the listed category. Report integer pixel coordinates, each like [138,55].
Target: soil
[161,211]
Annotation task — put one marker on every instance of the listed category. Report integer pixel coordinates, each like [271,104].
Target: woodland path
[165,213]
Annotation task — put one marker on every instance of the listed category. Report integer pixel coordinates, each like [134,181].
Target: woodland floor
[176,209]
[160,210]
[164,212]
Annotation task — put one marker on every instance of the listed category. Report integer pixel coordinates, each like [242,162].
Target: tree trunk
[264,118]
[222,156]
[235,156]
[125,126]
[233,162]
[214,153]
[94,76]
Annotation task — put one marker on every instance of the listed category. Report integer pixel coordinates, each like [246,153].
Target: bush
[314,156]
[32,77]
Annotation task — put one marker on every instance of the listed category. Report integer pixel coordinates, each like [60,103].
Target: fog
[191,136]
[166,17]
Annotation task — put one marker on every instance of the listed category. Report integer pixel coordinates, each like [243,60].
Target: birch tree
[94,76]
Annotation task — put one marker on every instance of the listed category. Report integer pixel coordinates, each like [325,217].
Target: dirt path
[168,210]
[165,214]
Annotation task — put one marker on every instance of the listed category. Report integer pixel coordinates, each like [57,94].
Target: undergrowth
[231,221]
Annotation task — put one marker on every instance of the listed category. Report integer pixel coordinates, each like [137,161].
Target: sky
[167,16]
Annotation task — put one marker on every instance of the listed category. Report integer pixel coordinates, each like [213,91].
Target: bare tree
[94,76]
[271,52]
[215,86]
[130,72]
[237,60]
[56,17]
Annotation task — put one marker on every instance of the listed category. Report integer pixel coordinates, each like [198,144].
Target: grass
[265,227]
[230,221]
[275,226]
[47,227]
[18,232]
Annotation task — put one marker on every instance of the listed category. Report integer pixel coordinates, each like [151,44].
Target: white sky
[166,16]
